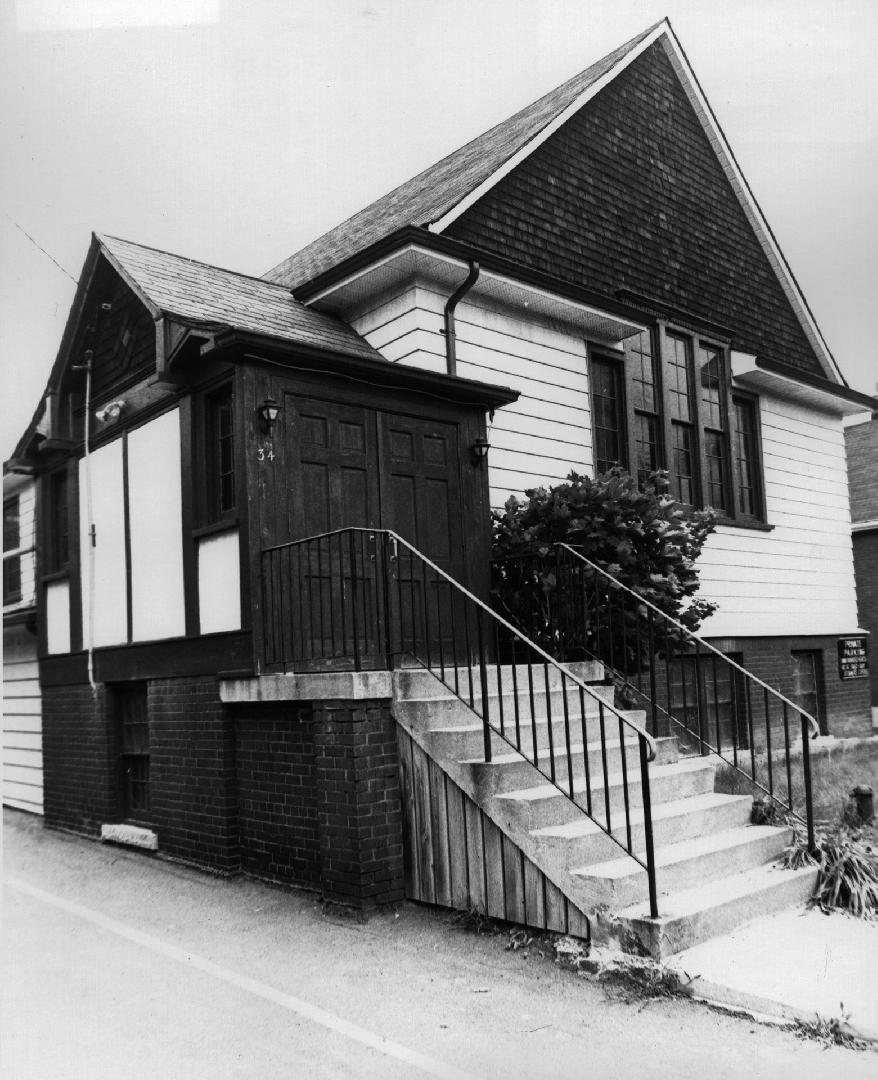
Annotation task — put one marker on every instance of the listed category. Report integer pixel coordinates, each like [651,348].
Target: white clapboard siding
[22,740]
[543,435]
[796,578]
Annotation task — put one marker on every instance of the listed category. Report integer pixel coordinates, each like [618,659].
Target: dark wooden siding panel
[125,344]
[628,194]
[455,856]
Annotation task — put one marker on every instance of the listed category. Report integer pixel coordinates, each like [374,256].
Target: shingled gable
[483,194]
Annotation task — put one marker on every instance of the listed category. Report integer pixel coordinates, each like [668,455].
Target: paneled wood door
[334,485]
[420,500]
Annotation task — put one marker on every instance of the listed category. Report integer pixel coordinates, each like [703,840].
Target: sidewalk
[115,960]
[795,965]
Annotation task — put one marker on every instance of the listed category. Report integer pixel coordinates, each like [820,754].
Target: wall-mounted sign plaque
[853,658]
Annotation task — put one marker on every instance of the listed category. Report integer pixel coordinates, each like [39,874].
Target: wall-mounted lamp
[479,450]
[109,414]
[269,411]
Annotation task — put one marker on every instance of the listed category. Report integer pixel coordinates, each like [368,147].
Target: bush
[639,536]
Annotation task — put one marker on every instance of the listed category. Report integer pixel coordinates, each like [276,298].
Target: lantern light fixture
[269,411]
[479,449]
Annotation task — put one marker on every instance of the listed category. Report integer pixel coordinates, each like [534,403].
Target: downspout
[89,503]
[451,304]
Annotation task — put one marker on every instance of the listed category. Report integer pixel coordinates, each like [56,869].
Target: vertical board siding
[800,575]
[456,857]
[22,722]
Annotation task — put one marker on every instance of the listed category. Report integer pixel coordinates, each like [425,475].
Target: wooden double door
[353,467]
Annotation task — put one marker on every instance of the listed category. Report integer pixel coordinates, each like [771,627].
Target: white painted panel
[58,617]
[156,524]
[106,596]
[219,583]
[28,724]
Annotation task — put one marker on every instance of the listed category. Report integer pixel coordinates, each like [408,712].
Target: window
[607,409]
[133,734]
[748,477]
[807,691]
[220,455]
[58,523]
[11,543]
[680,414]
[714,692]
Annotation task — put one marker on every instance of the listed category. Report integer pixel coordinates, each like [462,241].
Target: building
[22,731]
[591,282]
[861,440]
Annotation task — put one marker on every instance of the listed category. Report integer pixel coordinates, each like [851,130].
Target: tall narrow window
[746,449]
[645,403]
[807,690]
[220,452]
[11,543]
[608,412]
[133,725]
[713,406]
[681,408]
[58,523]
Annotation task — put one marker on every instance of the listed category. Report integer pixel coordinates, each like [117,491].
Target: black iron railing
[364,598]
[575,609]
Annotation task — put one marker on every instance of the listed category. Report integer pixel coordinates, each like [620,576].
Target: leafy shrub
[640,536]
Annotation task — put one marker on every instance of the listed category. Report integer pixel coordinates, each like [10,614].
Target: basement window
[132,720]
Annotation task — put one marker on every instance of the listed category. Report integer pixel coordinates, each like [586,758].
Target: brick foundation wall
[192,772]
[277,792]
[358,802]
[866,570]
[846,702]
[79,759]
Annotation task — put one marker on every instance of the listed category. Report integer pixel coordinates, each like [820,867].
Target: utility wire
[36,245]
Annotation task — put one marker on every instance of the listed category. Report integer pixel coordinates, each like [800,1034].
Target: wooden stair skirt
[456,857]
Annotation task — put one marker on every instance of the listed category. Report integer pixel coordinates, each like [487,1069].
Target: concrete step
[582,842]
[541,805]
[621,882]
[517,769]
[444,709]
[467,742]
[708,910]
[419,682]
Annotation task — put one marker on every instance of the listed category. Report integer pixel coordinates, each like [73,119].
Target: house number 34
[264,455]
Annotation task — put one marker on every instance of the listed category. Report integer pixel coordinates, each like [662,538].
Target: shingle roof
[197,292]
[436,190]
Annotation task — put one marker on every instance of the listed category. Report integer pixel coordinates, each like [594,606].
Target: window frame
[213,512]
[12,551]
[699,350]
[615,362]
[130,698]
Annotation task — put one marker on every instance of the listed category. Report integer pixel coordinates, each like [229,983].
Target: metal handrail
[690,634]
[618,636]
[341,594]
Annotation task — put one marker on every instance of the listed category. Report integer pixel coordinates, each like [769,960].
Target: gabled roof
[194,292]
[433,192]
[436,197]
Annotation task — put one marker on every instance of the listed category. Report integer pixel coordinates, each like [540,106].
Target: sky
[235,131]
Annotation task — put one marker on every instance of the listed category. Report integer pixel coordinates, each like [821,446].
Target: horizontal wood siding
[22,722]
[456,857]
[798,575]
[543,435]
[799,578]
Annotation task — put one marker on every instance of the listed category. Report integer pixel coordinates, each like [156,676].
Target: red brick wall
[866,570]
[358,802]
[192,772]
[79,759]
[277,793]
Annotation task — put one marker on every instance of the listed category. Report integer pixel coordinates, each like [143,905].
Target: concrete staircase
[714,869]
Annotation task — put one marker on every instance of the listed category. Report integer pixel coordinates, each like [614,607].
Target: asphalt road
[116,964]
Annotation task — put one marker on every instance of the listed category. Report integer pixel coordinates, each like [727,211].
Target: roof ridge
[386,206]
[196,262]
